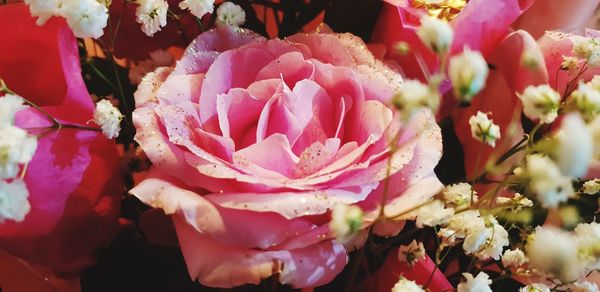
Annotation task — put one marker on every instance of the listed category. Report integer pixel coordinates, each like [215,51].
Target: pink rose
[73,179]
[254,141]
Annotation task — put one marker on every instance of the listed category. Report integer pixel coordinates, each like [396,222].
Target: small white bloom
[546,181]
[517,202]
[468,72]
[537,287]
[584,47]
[413,95]
[569,63]
[483,129]
[43,9]
[481,283]
[588,241]
[108,117]
[591,187]
[433,214]
[459,195]
[460,224]
[159,58]
[405,285]
[345,221]
[594,60]
[16,147]
[540,102]
[87,18]
[435,33]
[584,287]
[586,99]
[13,200]
[230,14]
[513,258]
[574,149]
[10,104]
[411,253]
[198,8]
[554,252]
[152,15]
[595,82]
[496,240]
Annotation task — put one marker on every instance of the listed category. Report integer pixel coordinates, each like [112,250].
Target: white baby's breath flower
[411,253]
[574,147]
[413,95]
[108,117]
[586,99]
[546,181]
[87,18]
[588,241]
[230,14]
[436,34]
[584,287]
[483,129]
[584,47]
[595,82]
[481,283]
[433,214]
[152,15]
[497,239]
[14,204]
[345,221]
[540,103]
[44,9]
[513,258]
[459,195]
[405,285]
[569,63]
[468,72]
[536,287]
[554,252]
[198,8]
[10,104]
[517,202]
[460,224]
[16,147]
[591,187]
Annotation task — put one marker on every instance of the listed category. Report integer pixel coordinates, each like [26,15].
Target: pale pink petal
[565,16]
[293,204]
[257,230]
[147,89]
[221,265]
[180,88]
[292,67]
[274,153]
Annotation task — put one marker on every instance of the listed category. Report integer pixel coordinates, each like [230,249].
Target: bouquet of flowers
[299,145]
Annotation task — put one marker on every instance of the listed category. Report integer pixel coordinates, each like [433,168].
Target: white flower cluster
[468,73]
[198,8]
[87,18]
[108,117]
[565,256]
[17,148]
[480,283]
[588,50]
[413,95]
[346,220]
[411,253]
[405,285]
[229,14]
[152,15]
[483,129]
[436,34]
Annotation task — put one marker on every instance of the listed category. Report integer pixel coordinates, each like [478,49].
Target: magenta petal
[483,24]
